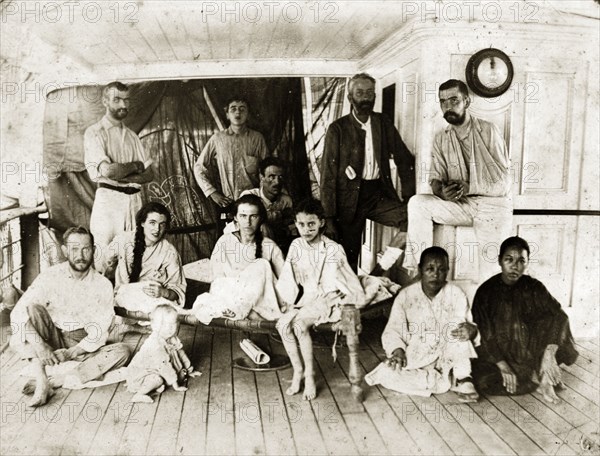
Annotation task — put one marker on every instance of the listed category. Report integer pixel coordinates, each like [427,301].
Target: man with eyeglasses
[356,182]
[470,180]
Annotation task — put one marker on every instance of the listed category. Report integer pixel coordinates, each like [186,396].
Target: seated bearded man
[66,314]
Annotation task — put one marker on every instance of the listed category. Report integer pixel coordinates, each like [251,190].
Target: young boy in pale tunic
[161,360]
[315,282]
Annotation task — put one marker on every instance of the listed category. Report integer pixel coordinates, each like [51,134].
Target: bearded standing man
[356,183]
[116,160]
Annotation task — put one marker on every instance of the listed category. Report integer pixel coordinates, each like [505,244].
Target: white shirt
[370,168]
[72,302]
[111,142]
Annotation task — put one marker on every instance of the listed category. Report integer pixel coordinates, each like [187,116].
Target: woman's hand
[465,331]
[228,313]
[156,290]
[397,360]
[509,379]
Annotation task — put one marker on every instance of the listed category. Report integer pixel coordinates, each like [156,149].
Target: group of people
[281,260]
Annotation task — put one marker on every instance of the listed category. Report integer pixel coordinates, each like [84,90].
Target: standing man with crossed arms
[116,160]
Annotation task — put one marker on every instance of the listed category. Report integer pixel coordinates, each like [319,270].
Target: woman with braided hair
[244,266]
[148,267]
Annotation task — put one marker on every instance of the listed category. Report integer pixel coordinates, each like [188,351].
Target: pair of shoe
[465,390]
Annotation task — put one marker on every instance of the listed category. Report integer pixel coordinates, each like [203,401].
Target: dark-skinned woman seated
[525,335]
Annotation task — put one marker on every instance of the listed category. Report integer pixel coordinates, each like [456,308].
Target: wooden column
[30,249]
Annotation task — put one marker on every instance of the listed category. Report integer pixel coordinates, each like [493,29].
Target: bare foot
[310,388]
[547,392]
[29,387]
[43,392]
[142,398]
[296,384]
[160,389]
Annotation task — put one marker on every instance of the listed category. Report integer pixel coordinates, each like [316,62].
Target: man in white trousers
[470,180]
[116,160]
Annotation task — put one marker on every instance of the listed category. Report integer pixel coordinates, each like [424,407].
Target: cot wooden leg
[351,328]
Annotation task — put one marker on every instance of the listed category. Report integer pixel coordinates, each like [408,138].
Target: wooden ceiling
[129,32]
[183,38]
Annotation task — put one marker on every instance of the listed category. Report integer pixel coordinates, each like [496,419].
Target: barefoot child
[316,280]
[160,360]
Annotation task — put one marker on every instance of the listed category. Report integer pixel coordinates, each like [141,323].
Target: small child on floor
[160,360]
[315,282]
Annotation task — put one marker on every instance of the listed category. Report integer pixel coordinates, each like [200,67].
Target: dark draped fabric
[322,103]
[517,322]
[174,120]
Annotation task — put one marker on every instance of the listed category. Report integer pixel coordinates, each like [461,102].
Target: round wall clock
[489,73]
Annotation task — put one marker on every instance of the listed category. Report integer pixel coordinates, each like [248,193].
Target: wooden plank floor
[231,411]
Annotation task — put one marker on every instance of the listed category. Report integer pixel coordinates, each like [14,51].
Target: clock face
[489,73]
[492,72]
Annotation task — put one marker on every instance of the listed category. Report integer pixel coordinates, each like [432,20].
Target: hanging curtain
[322,103]
[174,120]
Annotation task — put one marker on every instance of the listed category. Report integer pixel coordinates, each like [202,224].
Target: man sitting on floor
[428,336]
[66,315]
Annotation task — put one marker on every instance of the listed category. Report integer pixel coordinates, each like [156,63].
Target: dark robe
[517,322]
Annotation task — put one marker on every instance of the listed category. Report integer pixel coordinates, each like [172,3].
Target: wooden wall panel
[552,241]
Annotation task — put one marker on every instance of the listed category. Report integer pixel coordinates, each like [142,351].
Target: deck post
[351,328]
[30,248]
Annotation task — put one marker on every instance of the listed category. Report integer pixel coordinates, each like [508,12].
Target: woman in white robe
[245,266]
[148,267]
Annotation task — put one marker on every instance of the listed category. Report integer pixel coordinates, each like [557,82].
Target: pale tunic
[233,158]
[160,263]
[156,358]
[72,303]
[326,278]
[241,282]
[422,328]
